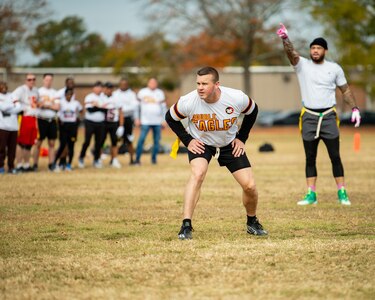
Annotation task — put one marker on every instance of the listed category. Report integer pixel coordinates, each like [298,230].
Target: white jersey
[215,124]
[48,96]
[318,82]
[69,110]
[129,101]
[8,112]
[113,107]
[28,99]
[97,116]
[153,107]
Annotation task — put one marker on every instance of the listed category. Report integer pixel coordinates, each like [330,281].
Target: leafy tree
[153,53]
[350,24]
[236,23]
[16,17]
[66,44]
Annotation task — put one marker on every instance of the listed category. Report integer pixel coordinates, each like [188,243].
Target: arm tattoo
[290,51]
[347,95]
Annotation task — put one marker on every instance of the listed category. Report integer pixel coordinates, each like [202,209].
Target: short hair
[98,83]
[68,78]
[47,74]
[108,85]
[207,71]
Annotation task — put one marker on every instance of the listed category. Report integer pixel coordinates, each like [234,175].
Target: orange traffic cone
[357,142]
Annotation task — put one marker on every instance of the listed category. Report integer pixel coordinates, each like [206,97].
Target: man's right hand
[282,32]
[196,147]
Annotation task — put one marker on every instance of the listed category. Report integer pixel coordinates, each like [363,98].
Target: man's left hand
[356,117]
[238,148]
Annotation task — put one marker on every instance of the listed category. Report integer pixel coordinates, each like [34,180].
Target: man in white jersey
[48,106]
[94,124]
[125,95]
[69,120]
[151,116]
[27,95]
[69,84]
[8,128]
[212,112]
[318,79]
[114,122]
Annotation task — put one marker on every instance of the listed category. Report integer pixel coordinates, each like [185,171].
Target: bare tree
[229,20]
[16,18]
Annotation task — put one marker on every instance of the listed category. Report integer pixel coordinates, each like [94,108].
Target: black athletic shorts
[226,158]
[47,129]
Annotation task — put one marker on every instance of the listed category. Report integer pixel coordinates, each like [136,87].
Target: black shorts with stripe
[226,158]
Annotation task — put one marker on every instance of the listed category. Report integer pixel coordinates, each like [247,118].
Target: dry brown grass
[112,234]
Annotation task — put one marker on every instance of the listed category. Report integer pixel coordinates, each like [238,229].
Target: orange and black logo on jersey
[229,110]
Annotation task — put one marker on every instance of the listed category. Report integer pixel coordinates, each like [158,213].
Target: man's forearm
[292,54]
[348,96]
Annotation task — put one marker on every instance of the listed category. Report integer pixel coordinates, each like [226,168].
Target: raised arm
[292,54]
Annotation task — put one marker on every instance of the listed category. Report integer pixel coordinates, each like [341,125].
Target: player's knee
[250,188]
[335,159]
[198,175]
[310,161]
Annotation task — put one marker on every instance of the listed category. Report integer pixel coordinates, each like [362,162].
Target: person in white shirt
[69,83]
[114,122]
[128,98]
[8,128]
[69,120]
[318,79]
[27,95]
[48,106]
[150,116]
[94,124]
[212,113]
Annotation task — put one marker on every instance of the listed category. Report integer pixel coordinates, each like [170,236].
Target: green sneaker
[343,196]
[310,198]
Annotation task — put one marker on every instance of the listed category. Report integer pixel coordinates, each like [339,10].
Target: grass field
[112,234]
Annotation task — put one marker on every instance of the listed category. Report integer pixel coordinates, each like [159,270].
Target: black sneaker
[256,228]
[185,233]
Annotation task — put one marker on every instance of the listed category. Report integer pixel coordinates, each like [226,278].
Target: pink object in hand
[282,32]
[356,117]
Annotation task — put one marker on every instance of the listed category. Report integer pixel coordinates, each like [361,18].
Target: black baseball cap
[320,42]
[108,85]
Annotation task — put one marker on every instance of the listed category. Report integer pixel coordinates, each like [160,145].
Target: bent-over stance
[212,113]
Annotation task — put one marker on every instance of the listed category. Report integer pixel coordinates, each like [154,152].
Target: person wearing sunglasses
[27,94]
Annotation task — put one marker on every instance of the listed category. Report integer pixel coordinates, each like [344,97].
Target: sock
[26,165]
[340,185]
[186,222]
[312,187]
[251,220]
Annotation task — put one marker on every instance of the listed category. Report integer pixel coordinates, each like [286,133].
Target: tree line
[206,32]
